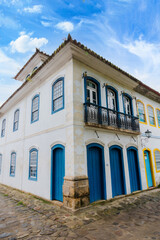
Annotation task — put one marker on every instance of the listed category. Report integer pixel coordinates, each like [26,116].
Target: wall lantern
[84,74]
[148,133]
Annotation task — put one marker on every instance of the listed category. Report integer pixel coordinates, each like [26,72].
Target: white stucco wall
[66,127]
[85,135]
[43,134]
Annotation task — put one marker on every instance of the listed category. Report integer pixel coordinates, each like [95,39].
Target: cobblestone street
[23,216]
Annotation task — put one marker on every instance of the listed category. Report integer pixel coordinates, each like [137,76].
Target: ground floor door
[148,168]
[96,172]
[117,171]
[57,172]
[134,172]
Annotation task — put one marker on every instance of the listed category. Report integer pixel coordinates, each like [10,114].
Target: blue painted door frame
[148,168]
[96,172]
[57,172]
[134,169]
[117,171]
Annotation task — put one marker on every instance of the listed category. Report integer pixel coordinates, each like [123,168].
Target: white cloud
[140,58]
[7,88]
[8,66]
[46,24]
[8,22]
[9,2]
[149,52]
[34,9]
[14,1]
[145,56]
[65,26]
[25,43]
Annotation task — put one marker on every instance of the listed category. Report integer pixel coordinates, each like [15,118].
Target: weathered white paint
[66,127]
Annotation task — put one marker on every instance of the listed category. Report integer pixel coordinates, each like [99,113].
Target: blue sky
[125,32]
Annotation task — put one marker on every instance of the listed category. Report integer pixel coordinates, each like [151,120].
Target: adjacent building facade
[75,130]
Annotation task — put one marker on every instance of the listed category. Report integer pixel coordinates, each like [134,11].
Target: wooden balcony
[97,116]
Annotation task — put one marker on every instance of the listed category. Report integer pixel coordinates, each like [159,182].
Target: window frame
[37,95]
[131,103]
[29,176]
[145,117]
[156,149]
[157,117]
[98,89]
[116,96]
[34,69]
[0,163]
[4,120]
[153,125]
[93,90]
[27,76]
[12,175]
[16,121]
[59,79]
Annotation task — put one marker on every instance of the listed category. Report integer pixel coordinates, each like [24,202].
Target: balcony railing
[97,115]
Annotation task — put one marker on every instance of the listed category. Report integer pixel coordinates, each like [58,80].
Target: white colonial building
[71,132]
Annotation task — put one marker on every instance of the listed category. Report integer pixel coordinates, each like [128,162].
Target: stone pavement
[23,216]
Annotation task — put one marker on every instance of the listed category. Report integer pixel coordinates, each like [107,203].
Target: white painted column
[108,173]
[126,169]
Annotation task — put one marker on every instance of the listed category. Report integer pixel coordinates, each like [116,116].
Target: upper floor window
[33,163]
[35,109]
[13,164]
[58,95]
[0,162]
[151,115]
[158,116]
[27,77]
[16,120]
[127,101]
[157,159]
[112,98]
[3,128]
[34,69]
[92,92]
[141,111]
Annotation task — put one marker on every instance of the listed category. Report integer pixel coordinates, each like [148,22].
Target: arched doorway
[57,172]
[134,170]
[149,168]
[117,171]
[96,172]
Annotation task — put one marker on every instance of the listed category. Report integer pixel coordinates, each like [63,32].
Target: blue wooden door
[95,173]
[58,173]
[133,166]
[148,169]
[116,166]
